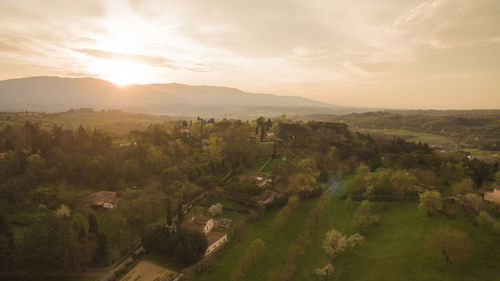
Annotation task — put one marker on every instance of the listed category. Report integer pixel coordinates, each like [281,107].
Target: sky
[442,54]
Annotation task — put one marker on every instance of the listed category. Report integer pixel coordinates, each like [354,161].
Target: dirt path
[265,164]
[333,186]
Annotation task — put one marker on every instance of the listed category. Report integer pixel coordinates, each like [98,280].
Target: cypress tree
[169,212]
[262,132]
[93,227]
[180,214]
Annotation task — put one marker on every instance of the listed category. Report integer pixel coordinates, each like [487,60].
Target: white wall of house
[107,205]
[215,245]
[208,226]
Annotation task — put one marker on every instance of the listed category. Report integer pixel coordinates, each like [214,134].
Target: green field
[112,120]
[393,250]
[491,153]
[432,139]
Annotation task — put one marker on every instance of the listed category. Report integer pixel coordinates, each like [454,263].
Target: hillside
[53,94]
[439,128]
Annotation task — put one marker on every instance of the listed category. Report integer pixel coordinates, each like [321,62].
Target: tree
[51,244]
[335,242]
[253,253]
[185,245]
[355,240]
[216,209]
[348,202]
[101,248]
[303,185]
[170,175]
[430,202]
[474,202]
[63,211]
[284,214]
[496,228]
[159,240]
[463,187]
[93,227]
[262,132]
[45,196]
[325,272]
[169,212]
[180,214]
[483,219]
[401,183]
[365,216]
[191,246]
[6,241]
[450,244]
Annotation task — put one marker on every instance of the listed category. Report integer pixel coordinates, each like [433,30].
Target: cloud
[152,61]
[324,49]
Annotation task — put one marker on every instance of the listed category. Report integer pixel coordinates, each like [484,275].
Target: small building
[3,155]
[103,200]
[185,130]
[215,240]
[204,144]
[125,144]
[86,110]
[203,224]
[270,135]
[493,196]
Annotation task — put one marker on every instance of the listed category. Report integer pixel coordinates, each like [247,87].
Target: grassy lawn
[127,239]
[393,250]
[276,245]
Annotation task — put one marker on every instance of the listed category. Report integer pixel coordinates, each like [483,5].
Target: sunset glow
[393,54]
[121,72]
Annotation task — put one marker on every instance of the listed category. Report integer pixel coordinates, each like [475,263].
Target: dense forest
[46,176]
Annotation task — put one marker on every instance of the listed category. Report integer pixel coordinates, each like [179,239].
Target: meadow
[435,140]
[393,250]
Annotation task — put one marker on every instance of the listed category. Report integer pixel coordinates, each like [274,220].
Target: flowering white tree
[336,242]
[216,209]
[325,272]
[63,211]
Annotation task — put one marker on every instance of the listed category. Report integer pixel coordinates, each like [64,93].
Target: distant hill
[54,94]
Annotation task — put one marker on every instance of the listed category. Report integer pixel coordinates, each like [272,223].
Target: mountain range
[55,94]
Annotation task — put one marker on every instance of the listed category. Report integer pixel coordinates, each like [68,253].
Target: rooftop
[101,197]
[197,223]
[213,237]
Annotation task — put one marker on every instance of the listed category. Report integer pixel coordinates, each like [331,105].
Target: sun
[121,72]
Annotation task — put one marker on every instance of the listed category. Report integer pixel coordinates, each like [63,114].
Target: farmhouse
[493,196]
[215,240]
[262,181]
[203,224]
[3,155]
[103,200]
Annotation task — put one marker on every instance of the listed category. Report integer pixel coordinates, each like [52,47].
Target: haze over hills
[53,94]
